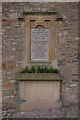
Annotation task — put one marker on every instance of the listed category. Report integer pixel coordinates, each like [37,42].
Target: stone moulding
[59,19]
[40,61]
[46,12]
[21,18]
[39,76]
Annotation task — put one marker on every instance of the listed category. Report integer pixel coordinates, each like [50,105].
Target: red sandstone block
[8,86]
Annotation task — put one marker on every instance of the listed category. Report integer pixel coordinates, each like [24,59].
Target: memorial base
[38,91]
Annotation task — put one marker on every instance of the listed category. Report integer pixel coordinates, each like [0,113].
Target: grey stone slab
[39,44]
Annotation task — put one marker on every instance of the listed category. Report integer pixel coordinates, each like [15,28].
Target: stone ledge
[38,76]
[39,62]
[41,12]
[21,17]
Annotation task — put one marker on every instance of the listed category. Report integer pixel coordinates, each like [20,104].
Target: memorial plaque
[39,44]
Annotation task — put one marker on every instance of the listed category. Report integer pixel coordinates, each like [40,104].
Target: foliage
[39,69]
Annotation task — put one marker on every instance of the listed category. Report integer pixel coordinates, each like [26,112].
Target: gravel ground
[49,113]
[46,113]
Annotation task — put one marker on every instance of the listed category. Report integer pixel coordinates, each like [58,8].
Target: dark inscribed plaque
[39,44]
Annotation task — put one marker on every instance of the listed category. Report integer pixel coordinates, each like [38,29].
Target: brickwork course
[13,42]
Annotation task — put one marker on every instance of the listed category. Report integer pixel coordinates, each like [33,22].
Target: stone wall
[13,44]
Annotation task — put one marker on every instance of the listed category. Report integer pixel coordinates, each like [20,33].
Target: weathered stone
[10,65]
[66,47]
[8,86]
[39,44]
[39,97]
[39,76]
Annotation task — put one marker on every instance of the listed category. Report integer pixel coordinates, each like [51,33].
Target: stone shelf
[39,76]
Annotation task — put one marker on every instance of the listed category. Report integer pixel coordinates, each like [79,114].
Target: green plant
[45,69]
[25,70]
[55,71]
[51,70]
[33,69]
[39,69]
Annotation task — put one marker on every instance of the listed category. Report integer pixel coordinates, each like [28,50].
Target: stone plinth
[38,91]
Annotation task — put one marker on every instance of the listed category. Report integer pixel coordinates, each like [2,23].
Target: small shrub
[51,70]
[26,70]
[55,71]
[33,69]
[45,70]
[39,70]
